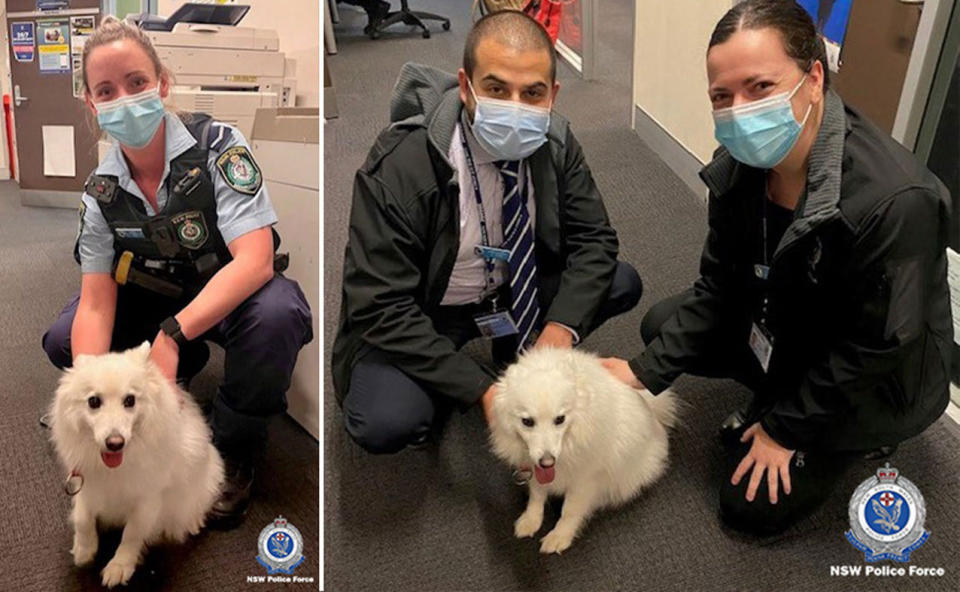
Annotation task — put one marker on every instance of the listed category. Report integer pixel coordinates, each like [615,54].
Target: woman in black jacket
[822,282]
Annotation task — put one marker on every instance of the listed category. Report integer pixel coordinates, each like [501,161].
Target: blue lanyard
[484,236]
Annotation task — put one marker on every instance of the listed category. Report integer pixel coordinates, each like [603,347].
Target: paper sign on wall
[22,41]
[58,154]
[53,45]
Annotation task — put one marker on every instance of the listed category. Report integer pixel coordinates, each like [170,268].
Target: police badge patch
[886,517]
[281,547]
[191,229]
[239,170]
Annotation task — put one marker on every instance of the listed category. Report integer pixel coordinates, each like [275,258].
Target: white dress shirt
[466,285]
[467,279]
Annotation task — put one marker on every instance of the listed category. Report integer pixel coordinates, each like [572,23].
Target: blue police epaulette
[220,135]
[103,188]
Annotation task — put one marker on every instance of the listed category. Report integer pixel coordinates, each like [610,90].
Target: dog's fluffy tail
[665,407]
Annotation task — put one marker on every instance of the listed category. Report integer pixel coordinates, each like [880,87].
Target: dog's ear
[81,360]
[142,352]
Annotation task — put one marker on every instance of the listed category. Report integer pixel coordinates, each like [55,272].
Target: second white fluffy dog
[143,452]
[588,437]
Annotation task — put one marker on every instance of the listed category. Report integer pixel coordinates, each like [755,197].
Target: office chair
[410,17]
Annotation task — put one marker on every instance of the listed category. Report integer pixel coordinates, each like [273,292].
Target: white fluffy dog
[588,437]
[141,452]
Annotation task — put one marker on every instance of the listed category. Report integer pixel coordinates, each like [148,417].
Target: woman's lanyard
[763,271]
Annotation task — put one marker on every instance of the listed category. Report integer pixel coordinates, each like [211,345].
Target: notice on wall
[53,46]
[77,62]
[58,154]
[81,27]
[22,41]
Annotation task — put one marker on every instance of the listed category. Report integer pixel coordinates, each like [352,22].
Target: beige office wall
[297,22]
[670,75]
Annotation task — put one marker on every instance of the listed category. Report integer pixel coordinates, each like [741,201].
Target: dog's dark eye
[527,421]
[129,401]
[94,402]
[558,420]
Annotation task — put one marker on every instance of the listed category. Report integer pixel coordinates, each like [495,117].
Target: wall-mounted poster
[831,17]
[53,45]
[81,27]
[22,41]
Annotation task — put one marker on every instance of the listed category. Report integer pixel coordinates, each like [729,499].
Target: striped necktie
[518,239]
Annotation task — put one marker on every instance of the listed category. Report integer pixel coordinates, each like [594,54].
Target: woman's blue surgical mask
[133,119]
[509,130]
[762,133]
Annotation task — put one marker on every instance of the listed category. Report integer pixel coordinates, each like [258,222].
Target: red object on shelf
[9,119]
[548,14]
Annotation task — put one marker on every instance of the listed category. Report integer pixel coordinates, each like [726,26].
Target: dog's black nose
[115,443]
[546,461]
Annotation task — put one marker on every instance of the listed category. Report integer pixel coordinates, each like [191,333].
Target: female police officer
[823,279]
[176,242]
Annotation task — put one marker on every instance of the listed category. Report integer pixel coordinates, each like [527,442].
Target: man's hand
[765,455]
[487,401]
[621,369]
[166,355]
[554,335]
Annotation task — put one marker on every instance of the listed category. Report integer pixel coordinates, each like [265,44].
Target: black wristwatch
[171,327]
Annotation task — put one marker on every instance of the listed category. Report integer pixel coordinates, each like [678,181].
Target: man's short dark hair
[511,28]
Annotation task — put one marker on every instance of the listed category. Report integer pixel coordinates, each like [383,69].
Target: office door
[876,54]
[42,82]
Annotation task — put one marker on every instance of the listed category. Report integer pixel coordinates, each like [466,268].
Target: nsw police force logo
[886,517]
[281,547]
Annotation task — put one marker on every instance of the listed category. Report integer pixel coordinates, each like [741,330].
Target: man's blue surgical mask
[132,120]
[761,133]
[509,130]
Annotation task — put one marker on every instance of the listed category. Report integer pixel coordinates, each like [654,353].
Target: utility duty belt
[175,278]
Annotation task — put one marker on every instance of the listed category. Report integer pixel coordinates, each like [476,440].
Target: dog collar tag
[522,476]
[73,484]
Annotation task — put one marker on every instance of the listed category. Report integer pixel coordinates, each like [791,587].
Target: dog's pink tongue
[544,476]
[112,459]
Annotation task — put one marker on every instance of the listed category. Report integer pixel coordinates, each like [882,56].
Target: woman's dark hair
[800,38]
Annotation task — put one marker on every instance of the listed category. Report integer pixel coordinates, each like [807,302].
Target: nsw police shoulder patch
[239,170]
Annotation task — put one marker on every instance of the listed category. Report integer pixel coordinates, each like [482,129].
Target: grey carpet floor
[37,276]
[442,518]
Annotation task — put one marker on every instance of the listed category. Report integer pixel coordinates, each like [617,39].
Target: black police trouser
[384,410]
[812,474]
[261,339]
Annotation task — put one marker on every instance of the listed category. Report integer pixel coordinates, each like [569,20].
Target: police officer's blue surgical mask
[509,130]
[762,133]
[133,119]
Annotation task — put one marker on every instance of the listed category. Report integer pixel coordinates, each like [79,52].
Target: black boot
[733,427]
[881,453]
[228,511]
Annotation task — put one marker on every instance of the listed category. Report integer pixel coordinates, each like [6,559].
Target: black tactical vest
[181,243]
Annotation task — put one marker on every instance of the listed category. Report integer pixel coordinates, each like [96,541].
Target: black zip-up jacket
[404,235]
[859,303]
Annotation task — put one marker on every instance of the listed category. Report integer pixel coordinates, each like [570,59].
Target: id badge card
[492,253]
[495,324]
[761,343]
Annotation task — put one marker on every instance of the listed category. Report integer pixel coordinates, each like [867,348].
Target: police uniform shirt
[237,213]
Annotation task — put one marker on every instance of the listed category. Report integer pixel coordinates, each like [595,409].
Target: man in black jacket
[474,213]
